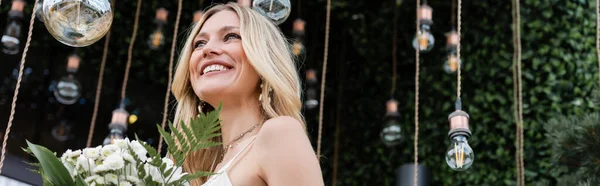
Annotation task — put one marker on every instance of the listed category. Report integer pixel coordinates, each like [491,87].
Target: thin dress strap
[224,168]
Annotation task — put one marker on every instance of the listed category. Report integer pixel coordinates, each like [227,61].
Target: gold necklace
[231,144]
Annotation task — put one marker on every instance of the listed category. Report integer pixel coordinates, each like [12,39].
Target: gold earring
[269,94]
[200,105]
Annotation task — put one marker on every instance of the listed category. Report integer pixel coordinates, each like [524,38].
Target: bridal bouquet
[130,162]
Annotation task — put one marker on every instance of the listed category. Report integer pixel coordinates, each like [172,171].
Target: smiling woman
[236,57]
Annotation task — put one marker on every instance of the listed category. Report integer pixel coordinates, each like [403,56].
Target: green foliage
[559,70]
[54,172]
[575,141]
[181,142]
[195,136]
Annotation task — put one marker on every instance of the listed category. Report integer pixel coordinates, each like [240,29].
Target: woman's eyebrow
[221,30]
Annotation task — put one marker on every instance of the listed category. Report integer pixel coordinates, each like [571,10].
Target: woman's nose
[212,48]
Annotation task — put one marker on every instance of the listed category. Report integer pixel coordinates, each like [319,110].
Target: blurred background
[560,71]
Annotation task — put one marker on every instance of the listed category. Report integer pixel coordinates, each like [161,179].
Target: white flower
[101,168]
[158,176]
[127,157]
[122,143]
[109,150]
[100,181]
[111,178]
[176,174]
[131,170]
[133,179]
[85,165]
[113,162]
[70,157]
[124,183]
[154,173]
[95,180]
[72,154]
[71,168]
[92,153]
[90,179]
[139,150]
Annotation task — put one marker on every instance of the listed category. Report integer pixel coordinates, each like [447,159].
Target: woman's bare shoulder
[284,149]
[277,133]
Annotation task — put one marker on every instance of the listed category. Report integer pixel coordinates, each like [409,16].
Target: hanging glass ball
[77,23]
[452,64]
[423,41]
[276,10]
[68,90]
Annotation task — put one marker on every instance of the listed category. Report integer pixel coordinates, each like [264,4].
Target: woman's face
[219,68]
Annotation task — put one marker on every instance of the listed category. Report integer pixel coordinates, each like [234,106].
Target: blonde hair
[267,51]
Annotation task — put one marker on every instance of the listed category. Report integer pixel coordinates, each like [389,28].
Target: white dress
[221,178]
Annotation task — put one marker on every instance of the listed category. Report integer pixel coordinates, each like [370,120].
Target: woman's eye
[199,43]
[232,36]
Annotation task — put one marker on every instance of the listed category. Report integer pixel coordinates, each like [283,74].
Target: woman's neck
[237,119]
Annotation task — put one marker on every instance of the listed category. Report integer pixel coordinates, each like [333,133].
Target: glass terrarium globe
[77,23]
[68,90]
[276,10]
[391,135]
[460,155]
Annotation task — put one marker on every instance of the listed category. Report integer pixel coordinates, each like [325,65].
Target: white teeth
[215,67]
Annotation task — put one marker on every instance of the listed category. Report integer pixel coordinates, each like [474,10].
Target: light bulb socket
[298,27]
[161,15]
[73,63]
[311,76]
[425,14]
[459,124]
[452,40]
[17,6]
[117,127]
[391,106]
[120,118]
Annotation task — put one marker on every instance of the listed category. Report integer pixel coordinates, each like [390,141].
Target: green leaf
[80,181]
[51,166]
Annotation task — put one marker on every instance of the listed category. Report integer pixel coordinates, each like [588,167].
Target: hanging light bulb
[68,89]
[460,155]
[298,48]
[118,125]
[12,34]
[245,3]
[311,89]
[391,135]
[424,40]
[276,10]
[157,38]
[197,15]
[452,63]
[61,131]
[77,23]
